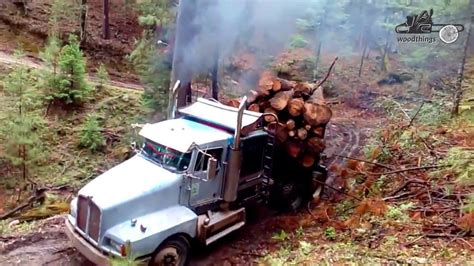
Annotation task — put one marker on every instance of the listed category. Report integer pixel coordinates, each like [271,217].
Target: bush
[459,162]
[433,114]
[399,212]
[91,136]
[102,75]
[330,233]
[298,41]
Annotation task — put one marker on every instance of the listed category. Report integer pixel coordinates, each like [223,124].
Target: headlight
[73,207]
[120,247]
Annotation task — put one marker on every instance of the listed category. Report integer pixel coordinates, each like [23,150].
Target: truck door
[205,191]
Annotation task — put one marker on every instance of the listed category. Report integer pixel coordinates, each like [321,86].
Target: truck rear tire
[174,251]
[288,197]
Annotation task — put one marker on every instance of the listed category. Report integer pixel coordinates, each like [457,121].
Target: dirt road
[48,245]
[32,62]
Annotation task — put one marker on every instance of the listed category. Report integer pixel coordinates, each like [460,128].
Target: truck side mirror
[211,168]
[133,145]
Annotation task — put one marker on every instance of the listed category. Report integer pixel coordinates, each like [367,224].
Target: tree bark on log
[280,100]
[316,114]
[301,111]
[295,106]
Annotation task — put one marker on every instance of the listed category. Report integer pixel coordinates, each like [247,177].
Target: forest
[388,111]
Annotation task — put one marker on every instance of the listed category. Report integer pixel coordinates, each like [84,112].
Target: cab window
[202,159]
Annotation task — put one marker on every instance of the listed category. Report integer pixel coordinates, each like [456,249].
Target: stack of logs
[301,111]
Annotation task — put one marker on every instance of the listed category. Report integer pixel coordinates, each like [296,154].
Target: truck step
[220,223]
[225,232]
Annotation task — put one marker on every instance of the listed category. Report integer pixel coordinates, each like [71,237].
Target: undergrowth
[91,136]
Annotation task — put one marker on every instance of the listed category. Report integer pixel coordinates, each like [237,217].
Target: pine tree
[91,136]
[23,145]
[149,59]
[72,87]
[60,12]
[49,74]
[102,75]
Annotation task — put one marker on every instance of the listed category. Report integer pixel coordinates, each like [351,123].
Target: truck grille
[88,217]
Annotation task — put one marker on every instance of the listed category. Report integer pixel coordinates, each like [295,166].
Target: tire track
[350,146]
[350,136]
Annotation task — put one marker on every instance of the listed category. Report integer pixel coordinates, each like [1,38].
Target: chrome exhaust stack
[238,129]
[171,114]
[233,167]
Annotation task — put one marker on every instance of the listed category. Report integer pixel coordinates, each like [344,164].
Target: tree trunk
[362,58]
[106,33]
[189,93]
[458,92]
[25,170]
[215,78]
[83,20]
[318,55]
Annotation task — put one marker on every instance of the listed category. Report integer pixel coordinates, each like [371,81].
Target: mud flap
[319,177]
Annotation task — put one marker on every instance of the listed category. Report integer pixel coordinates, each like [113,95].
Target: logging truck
[189,183]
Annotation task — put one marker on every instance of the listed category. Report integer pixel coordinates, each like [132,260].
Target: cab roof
[218,114]
[181,133]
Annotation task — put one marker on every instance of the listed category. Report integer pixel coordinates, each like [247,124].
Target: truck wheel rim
[168,256]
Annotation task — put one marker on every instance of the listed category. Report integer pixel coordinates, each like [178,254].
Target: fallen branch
[326,77]
[39,194]
[414,116]
[414,241]
[437,235]
[411,169]
[366,161]
[464,241]
[338,190]
[401,108]
[408,182]
[252,254]
[399,196]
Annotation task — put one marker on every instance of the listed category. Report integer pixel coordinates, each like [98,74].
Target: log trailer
[190,182]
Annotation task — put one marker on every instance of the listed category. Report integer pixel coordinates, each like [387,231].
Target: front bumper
[84,247]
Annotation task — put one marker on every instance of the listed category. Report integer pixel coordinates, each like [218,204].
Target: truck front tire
[173,251]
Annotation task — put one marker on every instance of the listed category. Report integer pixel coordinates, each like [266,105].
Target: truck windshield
[166,157]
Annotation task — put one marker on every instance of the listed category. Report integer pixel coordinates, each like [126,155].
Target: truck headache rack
[221,116]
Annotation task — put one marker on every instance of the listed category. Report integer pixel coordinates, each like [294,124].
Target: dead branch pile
[301,111]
